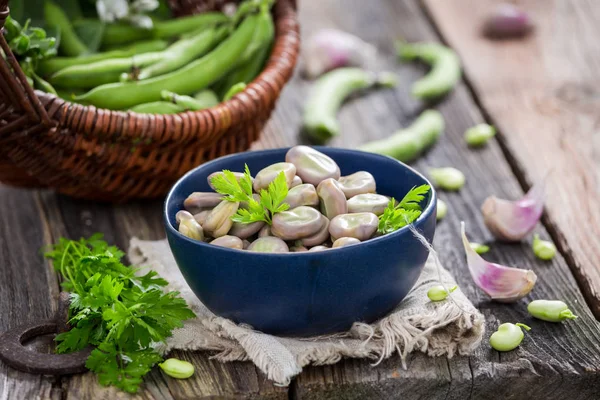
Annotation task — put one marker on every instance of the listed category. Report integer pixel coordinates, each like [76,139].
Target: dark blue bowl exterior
[301,294]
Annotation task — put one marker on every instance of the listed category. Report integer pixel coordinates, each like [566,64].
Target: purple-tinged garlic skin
[312,166]
[200,201]
[266,175]
[328,49]
[360,182]
[238,176]
[345,241]
[321,236]
[297,223]
[360,226]
[333,200]
[269,244]
[232,242]
[507,21]
[511,221]
[302,195]
[501,283]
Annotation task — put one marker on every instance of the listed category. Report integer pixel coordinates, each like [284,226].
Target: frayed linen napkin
[442,328]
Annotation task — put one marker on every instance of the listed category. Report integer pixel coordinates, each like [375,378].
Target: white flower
[141,21]
[111,10]
[141,6]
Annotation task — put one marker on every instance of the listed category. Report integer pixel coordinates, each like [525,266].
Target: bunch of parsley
[121,314]
[398,215]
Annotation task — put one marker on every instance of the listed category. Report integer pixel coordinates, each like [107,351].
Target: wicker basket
[116,156]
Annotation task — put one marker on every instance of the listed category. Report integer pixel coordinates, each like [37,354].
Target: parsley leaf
[122,314]
[271,200]
[396,216]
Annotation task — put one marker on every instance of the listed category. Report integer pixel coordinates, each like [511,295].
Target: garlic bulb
[501,283]
[513,220]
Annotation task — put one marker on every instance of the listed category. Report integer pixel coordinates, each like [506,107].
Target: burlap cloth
[442,328]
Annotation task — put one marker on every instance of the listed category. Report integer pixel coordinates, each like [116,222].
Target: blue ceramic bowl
[300,294]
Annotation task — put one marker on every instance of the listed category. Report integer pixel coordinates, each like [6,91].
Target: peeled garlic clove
[331,48]
[344,241]
[268,174]
[319,248]
[333,200]
[181,215]
[513,220]
[238,176]
[198,201]
[368,202]
[302,195]
[321,236]
[297,223]
[501,283]
[357,183]
[201,216]
[244,231]
[269,244]
[191,229]
[312,165]
[232,242]
[218,222]
[265,231]
[360,226]
[296,181]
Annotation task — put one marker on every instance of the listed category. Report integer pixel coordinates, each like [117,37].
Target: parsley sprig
[122,314]
[403,213]
[271,199]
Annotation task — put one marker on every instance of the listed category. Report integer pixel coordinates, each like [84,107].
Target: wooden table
[543,95]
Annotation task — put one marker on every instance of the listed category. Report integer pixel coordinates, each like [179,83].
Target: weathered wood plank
[28,287]
[550,363]
[543,95]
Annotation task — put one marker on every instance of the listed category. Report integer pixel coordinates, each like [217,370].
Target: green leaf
[413,198]
[396,216]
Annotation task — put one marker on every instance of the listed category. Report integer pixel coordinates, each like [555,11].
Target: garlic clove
[513,220]
[501,283]
[328,49]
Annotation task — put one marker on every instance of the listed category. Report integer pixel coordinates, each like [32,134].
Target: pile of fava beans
[325,210]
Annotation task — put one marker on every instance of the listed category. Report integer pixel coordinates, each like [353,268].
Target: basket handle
[13,82]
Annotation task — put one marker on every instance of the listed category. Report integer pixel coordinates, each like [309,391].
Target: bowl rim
[424,215]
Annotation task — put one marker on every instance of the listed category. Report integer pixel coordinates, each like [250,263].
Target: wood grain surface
[543,93]
[555,361]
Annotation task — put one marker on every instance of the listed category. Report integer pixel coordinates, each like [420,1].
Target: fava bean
[178,369]
[298,223]
[218,222]
[185,102]
[508,336]
[207,97]
[442,210]
[479,135]
[318,248]
[296,182]
[181,215]
[319,237]
[70,45]
[344,241]
[269,244]
[445,68]
[199,201]
[360,182]
[543,249]
[333,200]
[268,174]
[191,229]
[409,143]
[265,231]
[235,89]
[201,216]
[550,310]
[312,165]
[439,293]
[244,231]
[479,248]
[157,107]
[298,249]
[229,241]
[302,195]
[246,244]
[360,226]
[447,178]
[329,92]
[368,202]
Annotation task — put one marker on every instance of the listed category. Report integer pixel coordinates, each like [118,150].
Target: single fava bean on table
[360,182]
[302,195]
[344,241]
[191,229]
[508,336]
[176,368]
[550,310]
[320,237]
[368,202]
[297,223]
[360,226]
[312,166]
[200,201]
[333,200]
[268,174]
[218,222]
[232,242]
[269,244]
